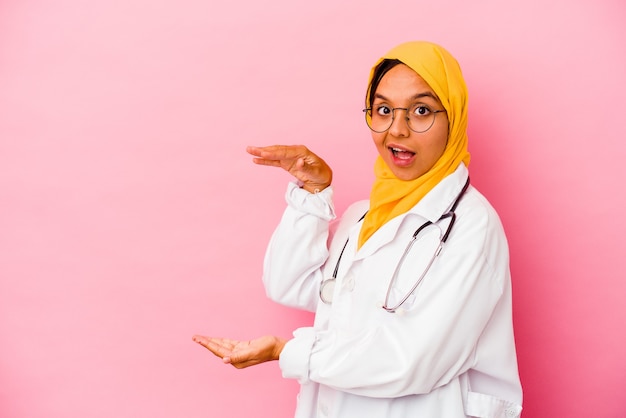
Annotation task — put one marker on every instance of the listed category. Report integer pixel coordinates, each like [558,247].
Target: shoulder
[478,227]
[474,207]
[355,211]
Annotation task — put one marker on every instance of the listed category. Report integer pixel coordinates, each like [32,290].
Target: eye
[421,110]
[383,110]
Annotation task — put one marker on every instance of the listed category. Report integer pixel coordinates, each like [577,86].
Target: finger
[298,160]
[278,152]
[253,352]
[242,359]
[241,365]
[300,164]
[200,339]
[203,340]
[256,151]
[218,346]
[262,161]
[224,342]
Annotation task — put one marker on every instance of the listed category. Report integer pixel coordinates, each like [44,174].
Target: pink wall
[131,217]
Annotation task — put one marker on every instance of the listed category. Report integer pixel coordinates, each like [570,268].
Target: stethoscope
[327,287]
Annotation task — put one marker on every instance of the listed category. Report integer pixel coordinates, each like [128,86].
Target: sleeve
[430,344]
[298,248]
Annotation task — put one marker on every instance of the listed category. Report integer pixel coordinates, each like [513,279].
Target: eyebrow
[414,97]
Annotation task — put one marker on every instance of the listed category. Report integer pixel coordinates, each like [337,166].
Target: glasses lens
[376,122]
[420,119]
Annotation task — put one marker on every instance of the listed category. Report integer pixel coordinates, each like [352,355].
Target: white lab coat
[449,353]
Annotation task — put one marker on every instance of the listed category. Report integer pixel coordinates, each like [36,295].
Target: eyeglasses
[419,117]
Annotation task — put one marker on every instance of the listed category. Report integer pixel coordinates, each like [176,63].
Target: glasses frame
[393,118]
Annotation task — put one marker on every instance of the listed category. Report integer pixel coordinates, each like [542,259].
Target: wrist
[279,344]
[312,187]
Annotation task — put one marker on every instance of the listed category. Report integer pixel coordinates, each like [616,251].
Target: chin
[404,176]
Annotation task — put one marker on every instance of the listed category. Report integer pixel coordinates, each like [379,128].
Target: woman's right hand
[299,161]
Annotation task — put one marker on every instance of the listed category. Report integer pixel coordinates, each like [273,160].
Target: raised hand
[299,161]
[243,354]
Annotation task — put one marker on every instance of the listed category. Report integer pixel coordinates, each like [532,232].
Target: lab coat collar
[430,208]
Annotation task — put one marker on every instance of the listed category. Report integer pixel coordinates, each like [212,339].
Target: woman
[412,289]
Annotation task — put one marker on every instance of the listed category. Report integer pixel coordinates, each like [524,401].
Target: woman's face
[408,154]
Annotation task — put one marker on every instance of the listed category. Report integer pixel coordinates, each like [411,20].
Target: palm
[243,354]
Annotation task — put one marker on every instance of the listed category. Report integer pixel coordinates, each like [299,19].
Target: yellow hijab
[391,196]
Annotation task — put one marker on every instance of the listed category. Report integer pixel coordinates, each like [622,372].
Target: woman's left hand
[299,161]
[242,354]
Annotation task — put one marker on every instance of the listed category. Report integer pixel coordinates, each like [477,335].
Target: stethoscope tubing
[327,286]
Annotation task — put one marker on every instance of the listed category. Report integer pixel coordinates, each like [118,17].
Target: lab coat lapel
[432,206]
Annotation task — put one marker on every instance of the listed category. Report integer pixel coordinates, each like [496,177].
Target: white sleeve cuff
[294,359]
[319,204]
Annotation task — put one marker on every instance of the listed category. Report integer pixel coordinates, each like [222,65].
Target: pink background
[131,216]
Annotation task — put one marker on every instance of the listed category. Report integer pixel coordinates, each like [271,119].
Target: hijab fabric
[391,196]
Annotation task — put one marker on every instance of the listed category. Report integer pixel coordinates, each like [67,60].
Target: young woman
[412,289]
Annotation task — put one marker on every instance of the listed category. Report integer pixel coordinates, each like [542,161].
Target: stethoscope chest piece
[327,289]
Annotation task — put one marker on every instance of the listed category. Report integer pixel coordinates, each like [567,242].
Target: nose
[400,124]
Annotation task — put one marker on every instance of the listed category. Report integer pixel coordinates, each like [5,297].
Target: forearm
[298,248]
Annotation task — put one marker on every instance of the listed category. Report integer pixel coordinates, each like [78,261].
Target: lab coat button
[349,283]
[510,413]
[323,409]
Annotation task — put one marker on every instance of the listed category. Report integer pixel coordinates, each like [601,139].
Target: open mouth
[401,154]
